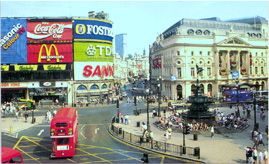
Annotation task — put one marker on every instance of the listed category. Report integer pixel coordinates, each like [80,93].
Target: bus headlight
[52,132]
[70,131]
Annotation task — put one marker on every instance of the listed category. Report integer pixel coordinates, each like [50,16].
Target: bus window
[15,160]
[62,141]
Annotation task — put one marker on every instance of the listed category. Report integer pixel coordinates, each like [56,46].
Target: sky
[141,20]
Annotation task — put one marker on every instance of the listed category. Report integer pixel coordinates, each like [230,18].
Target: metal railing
[178,150]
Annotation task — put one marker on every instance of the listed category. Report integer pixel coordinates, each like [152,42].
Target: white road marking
[82,133]
[41,131]
[96,130]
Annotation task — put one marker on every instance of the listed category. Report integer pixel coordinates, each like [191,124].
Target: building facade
[121,45]
[218,47]
[68,59]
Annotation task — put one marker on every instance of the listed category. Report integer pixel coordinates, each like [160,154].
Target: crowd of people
[256,156]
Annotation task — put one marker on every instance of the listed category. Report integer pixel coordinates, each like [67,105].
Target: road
[95,145]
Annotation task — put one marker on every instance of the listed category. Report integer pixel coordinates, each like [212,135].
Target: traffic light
[186,129]
[135,100]
[145,158]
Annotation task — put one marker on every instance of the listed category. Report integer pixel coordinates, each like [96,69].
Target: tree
[130,56]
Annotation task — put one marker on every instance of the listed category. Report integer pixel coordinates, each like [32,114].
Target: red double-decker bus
[64,133]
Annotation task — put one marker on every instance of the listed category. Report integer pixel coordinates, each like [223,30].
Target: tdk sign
[93,30]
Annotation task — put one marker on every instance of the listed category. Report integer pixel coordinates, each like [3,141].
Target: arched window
[94,86]
[104,86]
[82,87]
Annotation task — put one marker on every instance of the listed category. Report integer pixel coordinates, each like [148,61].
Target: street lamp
[148,126]
[159,80]
[254,103]
[237,85]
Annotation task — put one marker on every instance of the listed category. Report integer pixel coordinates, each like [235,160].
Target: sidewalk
[8,125]
[219,149]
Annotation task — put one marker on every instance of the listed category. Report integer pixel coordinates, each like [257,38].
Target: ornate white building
[219,47]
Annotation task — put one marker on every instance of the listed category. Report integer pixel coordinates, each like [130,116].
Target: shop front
[13,91]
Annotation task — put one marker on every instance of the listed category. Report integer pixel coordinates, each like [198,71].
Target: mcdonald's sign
[50,53]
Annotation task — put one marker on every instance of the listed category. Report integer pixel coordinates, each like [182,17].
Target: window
[256,70]
[178,53]
[208,71]
[61,124]
[179,72]
[201,53]
[192,72]
[192,53]
[104,86]
[208,53]
[94,86]
[262,70]
[178,62]
[62,141]
[250,70]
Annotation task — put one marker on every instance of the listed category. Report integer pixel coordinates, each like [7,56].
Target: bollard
[11,129]
[195,137]
[138,124]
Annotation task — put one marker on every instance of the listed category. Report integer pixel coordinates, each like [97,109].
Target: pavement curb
[150,150]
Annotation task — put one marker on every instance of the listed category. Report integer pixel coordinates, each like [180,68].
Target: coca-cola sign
[58,32]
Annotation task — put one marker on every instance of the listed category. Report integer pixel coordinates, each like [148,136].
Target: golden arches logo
[48,52]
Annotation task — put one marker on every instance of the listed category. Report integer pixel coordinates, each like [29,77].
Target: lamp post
[254,103]
[237,85]
[159,80]
[148,126]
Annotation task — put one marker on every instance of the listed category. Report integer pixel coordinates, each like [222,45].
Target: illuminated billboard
[49,41]
[92,51]
[13,41]
[50,53]
[93,70]
[42,31]
[93,30]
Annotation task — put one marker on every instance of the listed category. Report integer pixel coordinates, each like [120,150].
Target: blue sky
[141,20]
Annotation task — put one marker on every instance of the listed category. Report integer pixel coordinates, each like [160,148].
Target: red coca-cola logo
[37,31]
[49,29]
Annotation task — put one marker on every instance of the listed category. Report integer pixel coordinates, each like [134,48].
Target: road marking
[28,138]
[163,157]
[103,160]
[41,131]
[28,155]
[96,130]
[81,132]
[12,135]
[18,142]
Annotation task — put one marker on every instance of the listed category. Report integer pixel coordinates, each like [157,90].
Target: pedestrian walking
[260,156]
[260,139]
[54,112]
[46,116]
[247,153]
[212,131]
[121,117]
[263,116]
[126,119]
[255,155]
[265,156]
[49,115]
[169,133]
[25,116]
[250,154]
[16,116]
